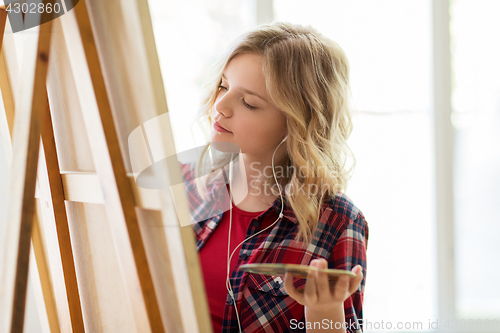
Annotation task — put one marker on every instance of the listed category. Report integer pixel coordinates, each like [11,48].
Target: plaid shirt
[263,305]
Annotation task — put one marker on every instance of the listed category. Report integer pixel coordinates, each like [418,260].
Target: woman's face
[242,107]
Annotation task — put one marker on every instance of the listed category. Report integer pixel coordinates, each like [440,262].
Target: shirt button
[276,285]
[256,224]
[243,256]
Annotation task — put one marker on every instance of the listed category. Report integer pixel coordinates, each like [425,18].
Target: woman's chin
[220,137]
[224,146]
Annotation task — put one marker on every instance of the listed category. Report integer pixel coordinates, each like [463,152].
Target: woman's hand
[320,294]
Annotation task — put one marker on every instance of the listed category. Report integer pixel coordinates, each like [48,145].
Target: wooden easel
[109,255]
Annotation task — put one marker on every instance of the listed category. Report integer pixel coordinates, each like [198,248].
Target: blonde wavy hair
[307,78]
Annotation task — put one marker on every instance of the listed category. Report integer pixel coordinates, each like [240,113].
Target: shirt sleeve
[188,174]
[349,251]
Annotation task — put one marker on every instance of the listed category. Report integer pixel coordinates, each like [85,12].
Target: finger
[354,284]
[341,288]
[310,290]
[291,290]
[322,281]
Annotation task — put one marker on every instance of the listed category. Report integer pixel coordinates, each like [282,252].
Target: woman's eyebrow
[248,91]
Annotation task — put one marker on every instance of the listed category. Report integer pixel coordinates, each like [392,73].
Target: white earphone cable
[228,283]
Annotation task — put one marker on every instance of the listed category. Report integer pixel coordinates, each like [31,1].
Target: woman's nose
[223,105]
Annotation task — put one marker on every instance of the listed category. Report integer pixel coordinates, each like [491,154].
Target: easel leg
[22,185]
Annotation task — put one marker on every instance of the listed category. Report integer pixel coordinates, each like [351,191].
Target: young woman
[279,113]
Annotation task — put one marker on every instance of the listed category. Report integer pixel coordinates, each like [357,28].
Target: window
[190,37]
[476,117]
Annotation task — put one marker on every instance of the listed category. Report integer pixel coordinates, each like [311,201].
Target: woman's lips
[220,129]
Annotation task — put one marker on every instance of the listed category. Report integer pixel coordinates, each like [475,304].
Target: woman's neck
[252,181]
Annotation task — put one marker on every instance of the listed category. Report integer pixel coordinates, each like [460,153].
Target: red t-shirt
[213,257]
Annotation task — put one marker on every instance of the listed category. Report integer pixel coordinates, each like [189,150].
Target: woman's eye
[248,105]
[221,87]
